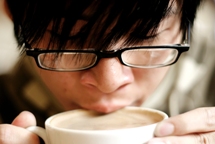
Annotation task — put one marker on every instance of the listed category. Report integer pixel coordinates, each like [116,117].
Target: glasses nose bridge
[108,54]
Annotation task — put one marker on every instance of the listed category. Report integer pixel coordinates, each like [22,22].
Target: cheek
[57,82]
[149,79]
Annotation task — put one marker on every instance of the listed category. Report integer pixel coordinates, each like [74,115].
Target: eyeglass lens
[133,57]
[149,57]
[66,61]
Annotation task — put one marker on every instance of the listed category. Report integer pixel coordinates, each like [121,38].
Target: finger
[204,138]
[195,121]
[24,119]
[10,134]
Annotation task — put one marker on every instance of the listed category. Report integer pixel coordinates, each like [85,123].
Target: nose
[108,75]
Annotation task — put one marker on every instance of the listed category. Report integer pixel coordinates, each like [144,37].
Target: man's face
[110,85]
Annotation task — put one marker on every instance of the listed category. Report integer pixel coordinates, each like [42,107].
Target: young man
[104,55]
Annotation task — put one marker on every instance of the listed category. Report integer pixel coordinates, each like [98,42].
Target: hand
[16,132]
[193,127]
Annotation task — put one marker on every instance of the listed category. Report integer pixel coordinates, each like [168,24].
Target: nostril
[108,76]
[88,78]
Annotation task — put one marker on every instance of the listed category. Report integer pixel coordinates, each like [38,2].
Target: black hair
[105,21]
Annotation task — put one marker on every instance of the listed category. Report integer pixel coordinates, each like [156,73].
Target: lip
[104,103]
[95,100]
[109,102]
[106,109]
[107,106]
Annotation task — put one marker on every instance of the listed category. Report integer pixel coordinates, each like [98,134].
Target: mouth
[108,107]
[103,103]
[105,109]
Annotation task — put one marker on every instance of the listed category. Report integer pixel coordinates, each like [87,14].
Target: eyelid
[151,37]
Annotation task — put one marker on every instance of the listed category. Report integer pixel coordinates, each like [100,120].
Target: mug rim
[48,125]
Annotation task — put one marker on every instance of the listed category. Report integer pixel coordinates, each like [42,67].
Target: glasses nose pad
[92,60]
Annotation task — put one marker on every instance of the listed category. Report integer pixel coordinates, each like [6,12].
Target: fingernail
[164,129]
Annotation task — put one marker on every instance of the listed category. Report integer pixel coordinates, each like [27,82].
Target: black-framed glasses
[136,57]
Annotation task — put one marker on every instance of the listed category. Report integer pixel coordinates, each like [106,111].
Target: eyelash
[153,36]
[150,38]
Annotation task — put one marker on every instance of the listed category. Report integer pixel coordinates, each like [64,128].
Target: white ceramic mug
[124,126]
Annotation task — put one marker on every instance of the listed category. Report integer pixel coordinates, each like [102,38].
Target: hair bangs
[97,24]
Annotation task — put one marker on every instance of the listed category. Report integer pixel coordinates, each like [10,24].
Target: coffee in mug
[129,125]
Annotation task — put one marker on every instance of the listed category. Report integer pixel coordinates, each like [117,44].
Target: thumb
[24,119]
[199,120]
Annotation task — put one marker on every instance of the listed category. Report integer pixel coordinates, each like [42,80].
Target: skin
[110,86]
[105,88]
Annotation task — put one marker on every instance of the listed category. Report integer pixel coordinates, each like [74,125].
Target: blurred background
[8,52]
